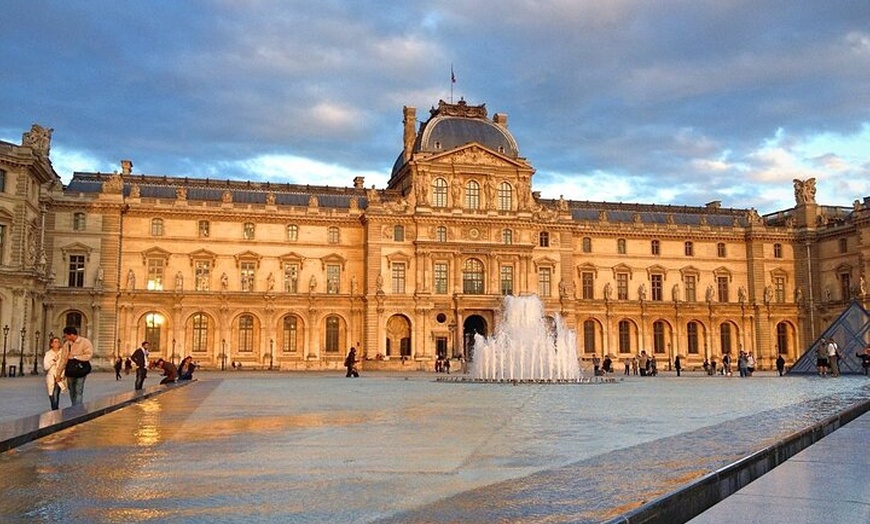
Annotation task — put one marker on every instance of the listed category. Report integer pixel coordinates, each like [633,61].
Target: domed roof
[455,125]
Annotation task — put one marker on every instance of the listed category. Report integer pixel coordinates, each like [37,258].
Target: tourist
[726,364]
[750,364]
[706,366]
[54,378]
[350,363]
[713,367]
[780,364]
[865,359]
[128,366]
[607,365]
[78,349]
[643,363]
[596,365]
[186,368]
[118,364]
[627,366]
[447,365]
[822,358]
[833,358]
[741,364]
[653,366]
[140,357]
[634,366]
[678,365]
[170,372]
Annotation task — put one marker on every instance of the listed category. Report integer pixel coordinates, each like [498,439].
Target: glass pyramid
[851,331]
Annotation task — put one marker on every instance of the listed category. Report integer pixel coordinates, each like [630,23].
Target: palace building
[289,276]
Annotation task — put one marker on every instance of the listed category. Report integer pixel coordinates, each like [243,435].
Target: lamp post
[223,354]
[271,352]
[21,353]
[5,336]
[36,354]
[172,358]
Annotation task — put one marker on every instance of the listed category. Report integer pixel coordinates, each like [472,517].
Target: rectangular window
[2,181]
[332,235]
[507,237]
[620,246]
[398,278]
[720,249]
[399,233]
[622,286]
[157,227]
[333,278]
[587,279]
[248,231]
[545,281]
[155,274]
[655,247]
[692,338]
[589,336]
[722,285]
[247,272]
[544,239]
[291,330]
[657,287]
[291,277]
[624,333]
[659,337]
[292,233]
[507,280]
[76,271]
[691,288]
[2,244]
[779,289]
[844,245]
[246,334]
[690,249]
[203,228]
[200,333]
[440,276]
[202,275]
[845,286]
[78,222]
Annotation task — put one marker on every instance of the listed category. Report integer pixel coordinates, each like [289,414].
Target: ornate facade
[287,276]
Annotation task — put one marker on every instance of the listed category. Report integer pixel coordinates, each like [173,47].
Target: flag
[452,75]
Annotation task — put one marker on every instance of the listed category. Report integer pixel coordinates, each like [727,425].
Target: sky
[667,102]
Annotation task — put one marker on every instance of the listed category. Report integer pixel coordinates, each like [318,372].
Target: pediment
[475,154]
[333,258]
[76,248]
[201,254]
[155,252]
[587,268]
[292,257]
[623,268]
[545,262]
[248,256]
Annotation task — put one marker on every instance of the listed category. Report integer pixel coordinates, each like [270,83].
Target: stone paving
[315,447]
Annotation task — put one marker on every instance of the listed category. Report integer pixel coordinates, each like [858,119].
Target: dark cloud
[683,95]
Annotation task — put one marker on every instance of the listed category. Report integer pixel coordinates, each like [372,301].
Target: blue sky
[671,102]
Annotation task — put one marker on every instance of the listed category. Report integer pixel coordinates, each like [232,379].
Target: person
[140,357]
[726,364]
[596,365]
[186,368]
[741,364]
[780,364]
[706,366]
[865,359]
[350,363]
[833,356]
[54,378]
[447,365]
[78,348]
[128,366]
[678,365]
[607,364]
[627,364]
[643,363]
[750,364]
[170,372]
[822,358]
[118,363]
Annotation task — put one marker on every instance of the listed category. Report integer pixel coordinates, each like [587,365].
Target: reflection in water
[319,450]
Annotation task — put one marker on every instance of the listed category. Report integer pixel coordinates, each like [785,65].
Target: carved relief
[38,139]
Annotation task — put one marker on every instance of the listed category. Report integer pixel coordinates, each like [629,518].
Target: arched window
[439,193]
[441,234]
[620,246]
[156,227]
[589,336]
[292,233]
[154,330]
[624,336]
[692,337]
[505,197]
[332,332]
[782,338]
[507,236]
[472,195]
[472,277]
[200,324]
[332,235]
[659,336]
[290,334]
[725,338]
[74,319]
[246,333]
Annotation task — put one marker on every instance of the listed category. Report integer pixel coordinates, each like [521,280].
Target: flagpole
[452,81]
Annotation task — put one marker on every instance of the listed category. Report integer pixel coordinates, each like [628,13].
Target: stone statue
[312,284]
[181,193]
[675,293]
[862,286]
[641,292]
[373,196]
[270,199]
[38,139]
[380,283]
[225,281]
[741,294]
[227,197]
[312,201]
[828,297]
[799,296]
[457,193]
[768,294]
[353,285]
[563,288]
[608,291]
[805,191]
[100,276]
[270,283]
[710,293]
[135,191]
[131,280]
[563,204]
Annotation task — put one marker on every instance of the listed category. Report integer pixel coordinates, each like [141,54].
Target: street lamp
[271,352]
[36,354]
[223,354]
[21,353]
[172,358]
[5,336]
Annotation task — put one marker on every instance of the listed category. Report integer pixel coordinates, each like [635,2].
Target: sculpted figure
[131,280]
[608,290]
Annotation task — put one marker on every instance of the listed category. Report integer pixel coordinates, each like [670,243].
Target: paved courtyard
[286,447]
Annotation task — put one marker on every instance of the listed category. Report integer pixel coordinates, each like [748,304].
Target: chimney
[500,119]
[410,131]
[126,167]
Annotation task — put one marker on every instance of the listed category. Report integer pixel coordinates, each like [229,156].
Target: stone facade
[290,276]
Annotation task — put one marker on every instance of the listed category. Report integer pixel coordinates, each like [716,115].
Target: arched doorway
[399,336]
[473,325]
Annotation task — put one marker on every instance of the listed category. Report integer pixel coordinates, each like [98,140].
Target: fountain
[526,346]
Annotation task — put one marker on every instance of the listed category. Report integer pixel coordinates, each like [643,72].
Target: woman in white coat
[54,379]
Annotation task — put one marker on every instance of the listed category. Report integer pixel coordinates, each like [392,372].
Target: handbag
[77,368]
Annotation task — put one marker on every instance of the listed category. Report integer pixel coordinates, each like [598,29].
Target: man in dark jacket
[170,372]
[140,358]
